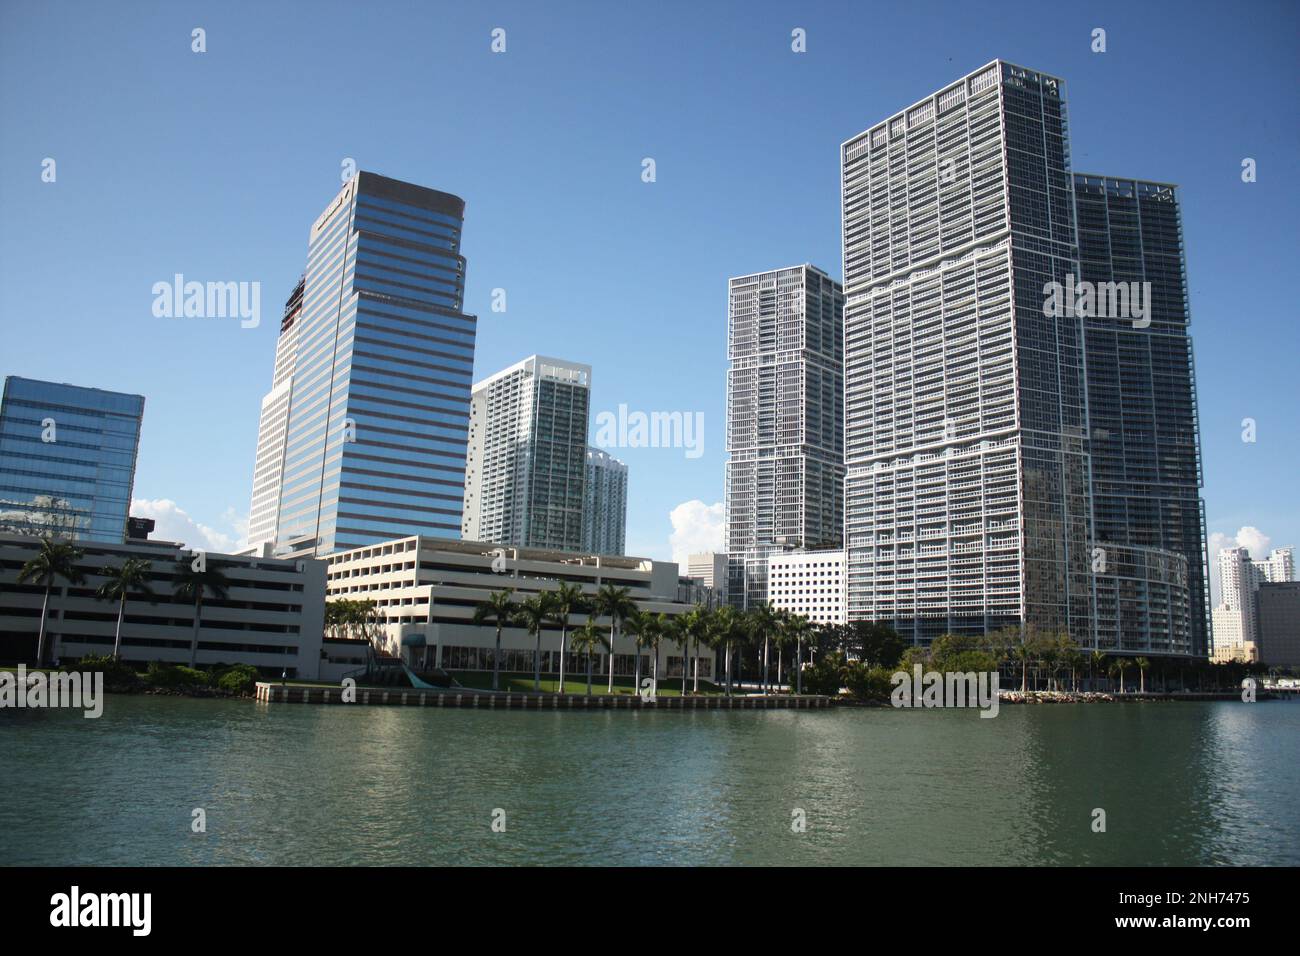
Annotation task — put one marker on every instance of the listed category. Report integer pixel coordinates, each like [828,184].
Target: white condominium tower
[273,427]
[526,472]
[604,514]
[1236,618]
[967,487]
[785,438]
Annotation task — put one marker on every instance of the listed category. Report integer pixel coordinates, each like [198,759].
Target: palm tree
[1023,653]
[565,600]
[585,640]
[650,631]
[763,622]
[1096,662]
[678,630]
[1118,667]
[191,585]
[798,628]
[614,603]
[54,560]
[131,575]
[728,627]
[1142,665]
[533,613]
[636,624]
[501,610]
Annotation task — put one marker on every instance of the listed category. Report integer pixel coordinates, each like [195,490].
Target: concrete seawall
[409,697]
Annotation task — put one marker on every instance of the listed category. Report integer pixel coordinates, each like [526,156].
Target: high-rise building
[376,374]
[67,459]
[967,488]
[526,476]
[1148,514]
[710,569]
[604,513]
[1237,615]
[809,584]
[785,432]
[1277,568]
[1279,623]
[273,428]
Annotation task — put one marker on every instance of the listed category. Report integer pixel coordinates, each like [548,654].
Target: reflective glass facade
[67,459]
[375,439]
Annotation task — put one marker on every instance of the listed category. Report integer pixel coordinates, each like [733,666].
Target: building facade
[378,396]
[785,437]
[604,513]
[1237,616]
[272,616]
[1144,427]
[427,589]
[1279,623]
[67,459]
[710,569]
[526,476]
[811,584]
[967,488]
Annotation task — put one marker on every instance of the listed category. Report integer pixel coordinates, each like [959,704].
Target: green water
[1181,783]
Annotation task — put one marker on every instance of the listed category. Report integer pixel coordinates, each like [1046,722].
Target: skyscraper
[378,383]
[1148,515]
[967,488]
[67,459]
[604,529]
[785,437]
[1236,617]
[525,481]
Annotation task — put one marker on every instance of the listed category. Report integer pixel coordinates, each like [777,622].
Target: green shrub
[238,679]
[172,676]
[118,675]
[869,683]
[825,677]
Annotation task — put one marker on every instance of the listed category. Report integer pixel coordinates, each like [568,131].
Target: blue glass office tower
[67,459]
[375,437]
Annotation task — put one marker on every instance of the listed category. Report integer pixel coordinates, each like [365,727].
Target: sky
[214,164]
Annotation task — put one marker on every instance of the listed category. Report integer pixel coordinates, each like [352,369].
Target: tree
[585,640]
[875,644]
[678,630]
[500,610]
[636,625]
[614,603]
[728,627]
[653,629]
[1142,665]
[565,600]
[763,622]
[55,559]
[1023,653]
[1120,665]
[132,575]
[799,629]
[191,584]
[1096,665]
[533,613]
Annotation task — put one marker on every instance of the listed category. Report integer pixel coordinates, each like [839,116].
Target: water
[1181,783]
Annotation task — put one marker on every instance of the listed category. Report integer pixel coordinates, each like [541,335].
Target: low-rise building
[271,617]
[810,584]
[427,589]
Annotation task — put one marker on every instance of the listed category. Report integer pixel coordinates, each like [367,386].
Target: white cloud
[697,527]
[1248,537]
[173,523]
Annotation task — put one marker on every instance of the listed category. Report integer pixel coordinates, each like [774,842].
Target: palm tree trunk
[564,644]
[654,662]
[496,661]
[537,663]
[636,675]
[798,663]
[117,640]
[45,609]
[194,641]
[588,673]
[762,682]
[613,636]
[726,653]
[695,684]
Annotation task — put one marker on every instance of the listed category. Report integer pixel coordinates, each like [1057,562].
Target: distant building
[67,459]
[710,568]
[426,590]
[604,513]
[811,584]
[1237,616]
[785,421]
[271,618]
[1279,623]
[526,474]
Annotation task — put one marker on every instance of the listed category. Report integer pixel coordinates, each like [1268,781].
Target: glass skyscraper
[67,459]
[375,380]
[1148,514]
[785,421]
[604,519]
[967,486]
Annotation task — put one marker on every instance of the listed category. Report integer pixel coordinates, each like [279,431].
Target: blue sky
[215,164]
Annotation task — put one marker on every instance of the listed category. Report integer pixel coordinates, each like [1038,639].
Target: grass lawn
[523,683]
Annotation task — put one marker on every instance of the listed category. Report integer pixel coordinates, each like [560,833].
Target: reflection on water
[1181,784]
